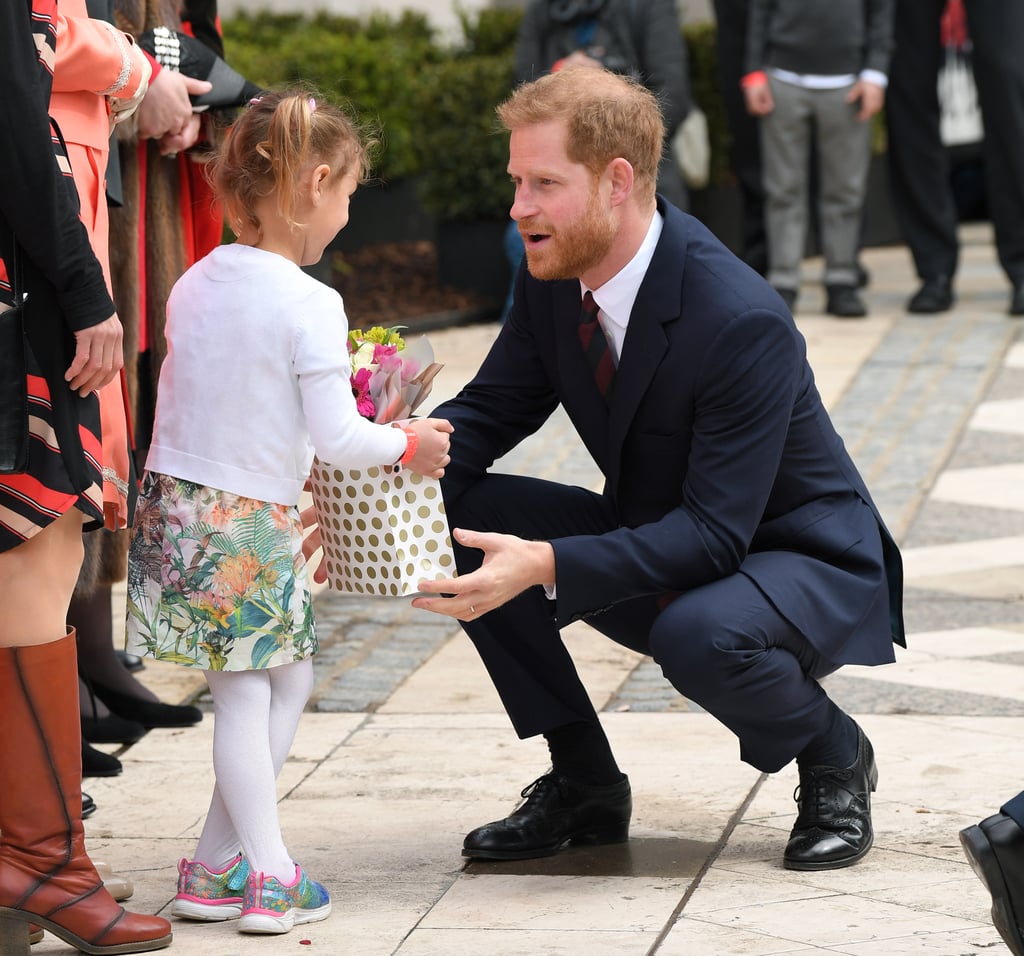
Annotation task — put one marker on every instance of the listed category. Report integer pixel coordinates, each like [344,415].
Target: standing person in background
[73,347]
[91,55]
[216,579]
[921,189]
[731,18]
[816,71]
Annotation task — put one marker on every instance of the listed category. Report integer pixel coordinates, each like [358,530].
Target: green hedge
[432,104]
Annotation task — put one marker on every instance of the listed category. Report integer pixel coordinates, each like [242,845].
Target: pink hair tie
[255,100]
[312,105]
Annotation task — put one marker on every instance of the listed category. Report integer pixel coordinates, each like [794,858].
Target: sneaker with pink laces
[210,895]
[271,906]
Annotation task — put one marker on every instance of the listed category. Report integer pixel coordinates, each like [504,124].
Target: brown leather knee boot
[46,877]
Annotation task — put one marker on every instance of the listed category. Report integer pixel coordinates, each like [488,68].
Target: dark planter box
[471,256]
[385,212]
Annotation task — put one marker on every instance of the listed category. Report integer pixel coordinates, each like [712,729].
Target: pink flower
[361,391]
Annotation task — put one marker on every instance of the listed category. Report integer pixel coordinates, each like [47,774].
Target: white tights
[256,714]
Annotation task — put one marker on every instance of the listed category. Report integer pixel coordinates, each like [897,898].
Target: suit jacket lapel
[657,303]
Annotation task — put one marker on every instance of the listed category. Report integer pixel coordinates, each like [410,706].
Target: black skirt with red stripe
[31,501]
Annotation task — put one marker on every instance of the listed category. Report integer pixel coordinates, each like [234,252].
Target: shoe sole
[606,837]
[267,923]
[983,861]
[205,912]
[9,931]
[829,864]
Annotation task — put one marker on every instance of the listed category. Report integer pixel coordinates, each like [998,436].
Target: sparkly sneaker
[210,895]
[272,907]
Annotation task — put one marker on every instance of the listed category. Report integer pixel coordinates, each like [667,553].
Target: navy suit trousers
[722,646]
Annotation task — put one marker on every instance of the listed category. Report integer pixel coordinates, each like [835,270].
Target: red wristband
[412,443]
[757,78]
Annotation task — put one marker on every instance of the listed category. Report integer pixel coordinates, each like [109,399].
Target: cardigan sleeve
[95,56]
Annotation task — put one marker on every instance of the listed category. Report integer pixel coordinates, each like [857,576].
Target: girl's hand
[431,456]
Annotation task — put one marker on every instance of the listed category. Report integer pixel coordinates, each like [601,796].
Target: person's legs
[918,164]
[245,774]
[585,798]
[290,687]
[46,876]
[745,141]
[725,647]
[844,154]
[997,32]
[111,688]
[785,144]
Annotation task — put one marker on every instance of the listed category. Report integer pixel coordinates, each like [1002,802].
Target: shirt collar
[615,297]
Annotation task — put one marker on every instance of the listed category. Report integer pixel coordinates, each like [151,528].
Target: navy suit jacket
[716,449]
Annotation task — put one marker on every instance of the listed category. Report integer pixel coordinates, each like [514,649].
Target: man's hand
[510,566]
[871,97]
[98,356]
[166,107]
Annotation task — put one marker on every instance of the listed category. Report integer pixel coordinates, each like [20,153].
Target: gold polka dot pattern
[382,533]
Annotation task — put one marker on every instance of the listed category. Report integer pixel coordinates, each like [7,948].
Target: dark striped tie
[595,346]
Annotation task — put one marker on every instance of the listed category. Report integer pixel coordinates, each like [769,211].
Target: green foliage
[372,66]
[463,150]
[432,103]
[491,31]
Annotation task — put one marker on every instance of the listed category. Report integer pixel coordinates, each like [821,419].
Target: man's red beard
[569,252]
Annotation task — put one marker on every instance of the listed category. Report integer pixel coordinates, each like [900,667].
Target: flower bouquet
[382,532]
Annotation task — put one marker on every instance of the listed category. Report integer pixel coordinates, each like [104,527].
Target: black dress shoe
[148,713]
[557,811]
[1017,299]
[844,301]
[935,295]
[995,850]
[88,806]
[833,827]
[112,729]
[96,763]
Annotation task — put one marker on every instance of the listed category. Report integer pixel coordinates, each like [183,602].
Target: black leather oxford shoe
[995,849]
[557,811]
[935,295]
[1017,299]
[833,827]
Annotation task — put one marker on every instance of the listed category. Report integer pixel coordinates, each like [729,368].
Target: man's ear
[620,174]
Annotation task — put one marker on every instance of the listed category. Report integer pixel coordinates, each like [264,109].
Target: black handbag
[13,381]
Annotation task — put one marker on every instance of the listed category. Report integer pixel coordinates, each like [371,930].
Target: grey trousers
[844,155]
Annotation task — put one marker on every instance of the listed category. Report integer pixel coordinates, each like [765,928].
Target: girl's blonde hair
[277,137]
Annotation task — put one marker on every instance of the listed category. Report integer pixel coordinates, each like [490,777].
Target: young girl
[256,378]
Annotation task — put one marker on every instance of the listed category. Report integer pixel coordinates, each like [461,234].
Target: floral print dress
[216,580]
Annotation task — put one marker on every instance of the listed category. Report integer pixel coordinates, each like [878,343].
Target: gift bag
[382,533]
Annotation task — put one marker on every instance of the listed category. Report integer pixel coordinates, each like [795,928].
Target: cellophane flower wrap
[382,532]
